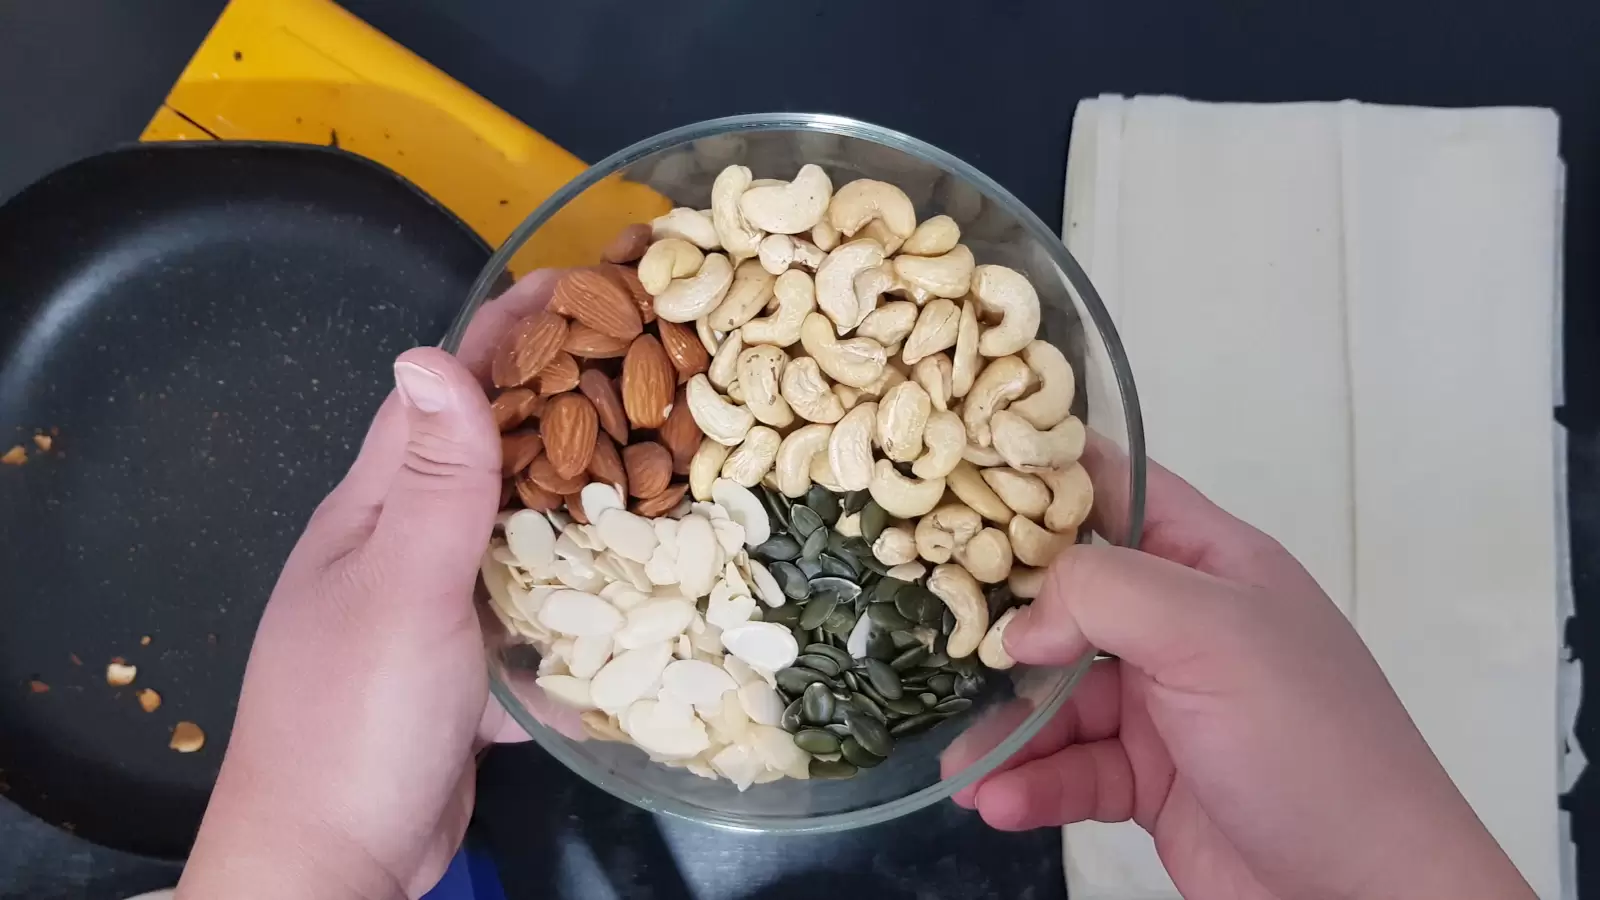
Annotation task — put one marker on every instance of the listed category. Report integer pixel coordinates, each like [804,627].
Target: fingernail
[420,387]
[1016,633]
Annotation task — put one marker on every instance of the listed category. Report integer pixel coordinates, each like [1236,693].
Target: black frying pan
[203,331]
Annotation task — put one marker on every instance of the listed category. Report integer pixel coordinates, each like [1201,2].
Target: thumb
[1151,612]
[440,506]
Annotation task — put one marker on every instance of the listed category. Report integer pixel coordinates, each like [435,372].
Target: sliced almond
[697,556]
[578,613]
[120,674]
[631,536]
[654,621]
[760,702]
[187,737]
[569,690]
[628,676]
[765,646]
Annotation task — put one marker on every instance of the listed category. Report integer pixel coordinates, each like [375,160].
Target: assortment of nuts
[876,445]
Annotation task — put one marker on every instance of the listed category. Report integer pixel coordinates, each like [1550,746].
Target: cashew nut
[759,371]
[848,396]
[876,231]
[949,526]
[935,330]
[895,546]
[724,368]
[736,392]
[987,556]
[706,466]
[857,362]
[822,473]
[863,200]
[792,468]
[933,373]
[902,417]
[992,649]
[1027,495]
[738,237]
[750,291]
[1025,582]
[1006,293]
[965,368]
[1052,402]
[720,420]
[933,237]
[890,323]
[1002,381]
[836,291]
[1033,545]
[789,207]
[941,276]
[708,338]
[753,459]
[1071,496]
[944,437]
[902,497]
[982,457]
[963,596]
[869,286]
[1027,449]
[778,252]
[850,447]
[665,260]
[687,224]
[808,393]
[825,236]
[970,488]
[796,299]
[687,299]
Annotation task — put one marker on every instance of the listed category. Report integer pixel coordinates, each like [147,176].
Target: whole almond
[603,394]
[660,504]
[585,342]
[683,347]
[513,407]
[543,473]
[629,244]
[528,348]
[569,426]
[648,379]
[519,449]
[558,376]
[574,506]
[535,497]
[606,464]
[628,277]
[680,434]
[649,468]
[595,299]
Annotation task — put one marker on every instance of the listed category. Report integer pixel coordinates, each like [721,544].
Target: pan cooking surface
[203,331]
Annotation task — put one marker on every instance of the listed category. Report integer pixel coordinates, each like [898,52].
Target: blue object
[471,876]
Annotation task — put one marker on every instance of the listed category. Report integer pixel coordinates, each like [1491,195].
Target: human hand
[1244,725]
[350,770]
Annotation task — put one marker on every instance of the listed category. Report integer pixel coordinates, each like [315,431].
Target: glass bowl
[679,166]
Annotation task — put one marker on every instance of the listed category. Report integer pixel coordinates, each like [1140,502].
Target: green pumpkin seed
[790,720]
[835,769]
[816,706]
[851,681]
[835,566]
[914,724]
[779,547]
[856,755]
[969,686]
[887,617]
[844,587]
[785,615]
[919,674]
[794,681]
[918,604]
[904,640]
[777,508]
[880,645]
[909,658]
[814,545]
[817,610]
[801,636]
[948,624]
[864,704]
[815,635]
[818,663]
[928,700]
[952,706]
[837,728]
[873,520]
[815,741]
[871,563]
[886,590]
[966,665]
[804,521]
[937,659]
[857,546]
[834,653]
[790,580]
[884,680]
[943,684]
[841,695]
[903,706]
[823,503]
[810,567]
[870,734]
[854,501]
[841,621]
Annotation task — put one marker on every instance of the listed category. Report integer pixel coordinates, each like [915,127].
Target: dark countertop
[993,83]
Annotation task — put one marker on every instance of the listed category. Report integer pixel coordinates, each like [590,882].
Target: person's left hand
[350,770]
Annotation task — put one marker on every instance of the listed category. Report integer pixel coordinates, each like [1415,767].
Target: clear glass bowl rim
[556,744]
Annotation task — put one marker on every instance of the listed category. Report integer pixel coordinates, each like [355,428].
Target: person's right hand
[1245,725]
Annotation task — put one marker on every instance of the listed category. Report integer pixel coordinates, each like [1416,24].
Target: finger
[497,726]
[494,319]
[1083,781]
[1149,611]
[440,504]
[1091,713]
